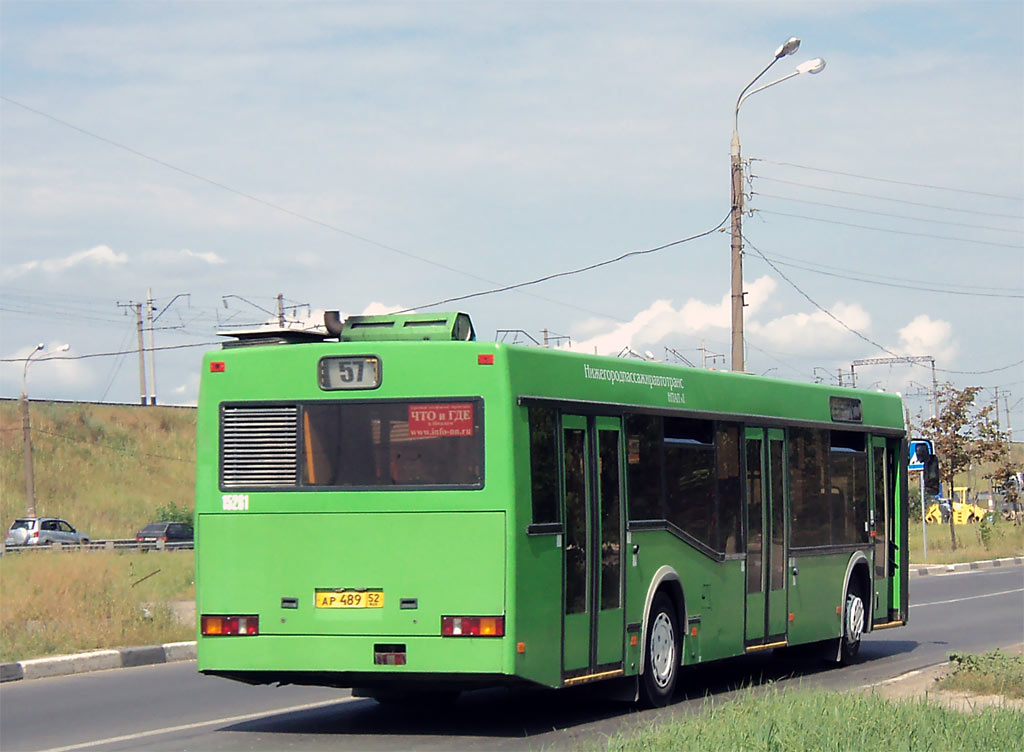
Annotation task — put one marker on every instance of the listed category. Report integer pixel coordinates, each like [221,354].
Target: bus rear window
[393,444]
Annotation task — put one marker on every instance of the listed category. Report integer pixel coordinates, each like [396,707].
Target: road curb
[922,571]
[97,660]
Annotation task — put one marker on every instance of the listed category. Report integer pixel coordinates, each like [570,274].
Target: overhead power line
[900,285]
[278,207]
[889,229]
[888,180]
[886,214]
[571,272]
[875,196]
[817,305]
[109,354]
[869,275]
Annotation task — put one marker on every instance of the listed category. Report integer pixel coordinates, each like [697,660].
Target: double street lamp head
[787,48]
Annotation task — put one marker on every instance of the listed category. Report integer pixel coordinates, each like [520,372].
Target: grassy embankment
[104,468]
[789,721]
[53,602]
[993,673]
[977,542]
[107,470]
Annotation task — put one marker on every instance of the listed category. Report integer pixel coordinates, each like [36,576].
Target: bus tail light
[212,626]
[472,626]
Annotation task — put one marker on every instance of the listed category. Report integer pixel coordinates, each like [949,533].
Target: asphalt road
[171,707]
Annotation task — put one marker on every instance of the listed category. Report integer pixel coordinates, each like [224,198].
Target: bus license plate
[350,599]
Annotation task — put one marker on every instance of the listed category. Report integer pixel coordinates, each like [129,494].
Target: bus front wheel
[853,627]
[661,655]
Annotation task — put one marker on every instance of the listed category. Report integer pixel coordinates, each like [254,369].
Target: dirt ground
[922,685]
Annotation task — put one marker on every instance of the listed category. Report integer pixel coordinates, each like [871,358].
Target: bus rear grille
[259,446]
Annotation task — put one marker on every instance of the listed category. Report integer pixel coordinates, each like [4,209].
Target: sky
[372,157]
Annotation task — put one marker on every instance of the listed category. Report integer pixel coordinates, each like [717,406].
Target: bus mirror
[931,475]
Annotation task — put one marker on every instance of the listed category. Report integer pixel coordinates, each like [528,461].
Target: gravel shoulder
[921,686]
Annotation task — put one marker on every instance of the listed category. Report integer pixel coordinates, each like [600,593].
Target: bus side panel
[815,596]
[713,592]
[538,605]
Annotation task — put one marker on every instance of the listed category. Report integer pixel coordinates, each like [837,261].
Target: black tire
[854,618]
[661,654]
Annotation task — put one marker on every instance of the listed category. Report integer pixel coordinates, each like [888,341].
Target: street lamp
[811,66]
[26,432]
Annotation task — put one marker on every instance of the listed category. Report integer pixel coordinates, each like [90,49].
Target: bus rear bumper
[381,658]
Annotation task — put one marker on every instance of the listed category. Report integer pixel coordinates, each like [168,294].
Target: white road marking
[967,598]
[200,724]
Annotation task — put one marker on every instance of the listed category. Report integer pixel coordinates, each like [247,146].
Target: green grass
[993,673]
[790,721]
[107,469]
[1005,539]
[55,602]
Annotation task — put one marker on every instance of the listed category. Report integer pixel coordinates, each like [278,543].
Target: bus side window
[544,464]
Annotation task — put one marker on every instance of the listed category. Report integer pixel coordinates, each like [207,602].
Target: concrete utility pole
[736,165]
[137,308]
[26,437]
[26,432]
[152,346]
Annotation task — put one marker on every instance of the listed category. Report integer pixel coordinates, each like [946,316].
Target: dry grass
[62,602]
[104,468]
[1005,539]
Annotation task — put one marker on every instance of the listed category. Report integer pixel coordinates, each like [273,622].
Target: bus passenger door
[593,631]
[882,527]
[767,542]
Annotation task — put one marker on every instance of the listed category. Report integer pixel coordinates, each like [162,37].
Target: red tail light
[212,626]
[164,538]
[472,626]
[35,534]
[139,539]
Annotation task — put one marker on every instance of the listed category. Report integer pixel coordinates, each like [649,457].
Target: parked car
[168,532]
[42,531]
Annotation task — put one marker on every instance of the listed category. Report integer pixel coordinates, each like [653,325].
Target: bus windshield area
[393,444]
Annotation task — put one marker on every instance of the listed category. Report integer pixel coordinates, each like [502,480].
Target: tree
[1006,477]
[962,434]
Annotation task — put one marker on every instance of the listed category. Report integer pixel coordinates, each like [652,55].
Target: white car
[42,531]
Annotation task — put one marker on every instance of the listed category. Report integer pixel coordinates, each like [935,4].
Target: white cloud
[661,320]
[927,336]
[813,331]
[100,255]
[183,256]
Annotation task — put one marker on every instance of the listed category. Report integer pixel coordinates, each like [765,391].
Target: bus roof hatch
[408,326]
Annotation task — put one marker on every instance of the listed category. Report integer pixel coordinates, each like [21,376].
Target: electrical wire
[885,214]
[817,305]
[754,176]
[571,272]
[887,229]
[942,285]
[109,354]
[902,286]
[278,207]
[887,180]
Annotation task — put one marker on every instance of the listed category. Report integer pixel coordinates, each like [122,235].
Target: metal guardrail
[119,544]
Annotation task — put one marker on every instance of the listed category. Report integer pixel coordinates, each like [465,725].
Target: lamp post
[26,429]
[811,66]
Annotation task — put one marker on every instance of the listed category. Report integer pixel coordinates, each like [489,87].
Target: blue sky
[370,156]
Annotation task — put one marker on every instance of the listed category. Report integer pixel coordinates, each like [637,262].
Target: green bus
[396,507]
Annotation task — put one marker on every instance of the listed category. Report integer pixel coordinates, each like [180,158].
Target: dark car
[168,532]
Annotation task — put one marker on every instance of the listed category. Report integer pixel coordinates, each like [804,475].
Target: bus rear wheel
[661,654]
